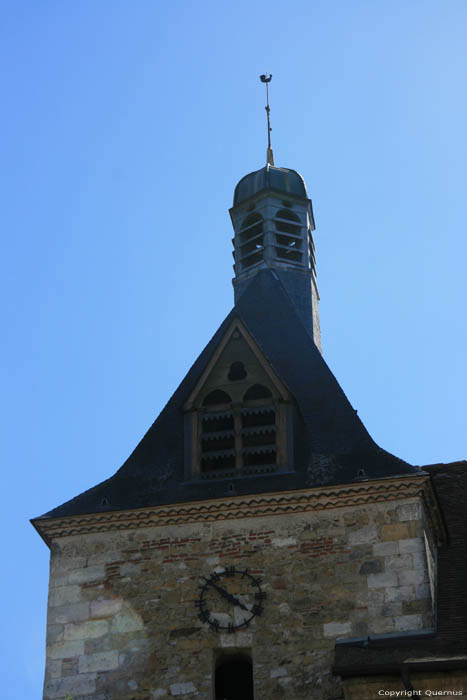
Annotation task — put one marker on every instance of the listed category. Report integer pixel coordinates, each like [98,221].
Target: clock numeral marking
[204,616]
[231,628]
[261,596]
[230,571]
[214,624]
[257,610]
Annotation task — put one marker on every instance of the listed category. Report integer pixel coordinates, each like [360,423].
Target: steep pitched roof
[331,443]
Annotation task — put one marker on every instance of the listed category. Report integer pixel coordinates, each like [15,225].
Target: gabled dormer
[239,416]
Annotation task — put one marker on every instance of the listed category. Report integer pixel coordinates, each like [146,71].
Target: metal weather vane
[269,155]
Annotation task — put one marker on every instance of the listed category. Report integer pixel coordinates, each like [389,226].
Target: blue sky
[125,127]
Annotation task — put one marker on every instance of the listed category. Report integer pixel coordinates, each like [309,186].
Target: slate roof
[331,443]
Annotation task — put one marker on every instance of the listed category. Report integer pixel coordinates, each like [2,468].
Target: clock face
[230,599]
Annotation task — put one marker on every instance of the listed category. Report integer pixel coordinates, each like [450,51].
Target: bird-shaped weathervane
[265,78]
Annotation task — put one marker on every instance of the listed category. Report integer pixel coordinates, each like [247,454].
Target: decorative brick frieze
[259,505]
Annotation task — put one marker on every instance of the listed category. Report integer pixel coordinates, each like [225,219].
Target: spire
[269,154]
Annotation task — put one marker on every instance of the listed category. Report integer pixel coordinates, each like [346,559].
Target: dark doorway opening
[234,678]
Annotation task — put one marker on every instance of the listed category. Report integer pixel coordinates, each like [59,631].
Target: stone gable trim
[251,506]
[236,325]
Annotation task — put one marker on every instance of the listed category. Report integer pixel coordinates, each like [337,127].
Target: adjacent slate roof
[331,446]
[446,647]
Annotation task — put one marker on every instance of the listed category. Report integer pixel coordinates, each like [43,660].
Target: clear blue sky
[124,129]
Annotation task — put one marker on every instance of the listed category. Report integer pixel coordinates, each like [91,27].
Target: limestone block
[106,608]
[101,661]
[406,623]
[126,621]
[409,511]
[410,607]
[384,580]
[399,593]
[411,578]
[364,535]
[373,566]
[54,668]
[54,633]
[129,569]
[76,612]
[398,561]
[283,541]
[423,590]
[278,672]
[87,575]
[239,639]
[60,564]
[63,595]
[83,684]
[381,625]
[182,689]
[419,560]
[108,556]
[412,544]
[396,531]
[336,629]
[392,609]
[372,597]
[383,549]
[64,650]
[86,630]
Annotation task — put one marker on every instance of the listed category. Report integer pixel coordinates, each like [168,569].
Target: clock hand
[228,596]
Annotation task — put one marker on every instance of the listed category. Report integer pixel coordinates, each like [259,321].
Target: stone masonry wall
[122,622]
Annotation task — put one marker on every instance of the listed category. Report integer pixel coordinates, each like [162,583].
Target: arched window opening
[257,391]
[240,420]
[251,247]
[234,679]
[216,397]
[288,216]
[289,237]
[252,226]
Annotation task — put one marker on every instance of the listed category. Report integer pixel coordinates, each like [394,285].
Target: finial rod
[269,154]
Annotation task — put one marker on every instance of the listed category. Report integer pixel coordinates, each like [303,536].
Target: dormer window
[239,418]
[238,436]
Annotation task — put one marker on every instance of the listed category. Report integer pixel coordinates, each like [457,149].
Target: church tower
[257,544]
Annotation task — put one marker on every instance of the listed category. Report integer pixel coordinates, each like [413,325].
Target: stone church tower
[258,543]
